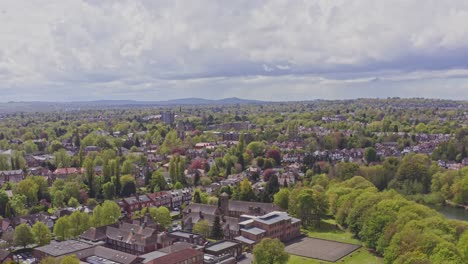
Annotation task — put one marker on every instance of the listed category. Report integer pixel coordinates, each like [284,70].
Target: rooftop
[64,247]
[244,240]
[254,230]
[222,245]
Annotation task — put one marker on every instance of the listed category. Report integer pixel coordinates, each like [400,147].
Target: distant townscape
[234,181]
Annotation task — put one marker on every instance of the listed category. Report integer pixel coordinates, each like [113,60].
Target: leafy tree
[79,222]
[105,214]
[281,198]
[61,159]
[158,180]
[108,190]
[71,259]
[3,201]
[128,188]
[178,186]
[29,189]
[30,147]
[58,199]
[413,175]
[370,154]
[48,260]
[270,251]
[41,233]
[246,192]
[271,188]
[89,173]
[23,235]
[217,232]
[257,148]
[73,202]
[202,227]
[162,215]
[18,204]
[62,228]
[346,170]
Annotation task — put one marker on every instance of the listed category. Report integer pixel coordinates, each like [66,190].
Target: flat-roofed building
[278,225]
[60,249]
[224,250]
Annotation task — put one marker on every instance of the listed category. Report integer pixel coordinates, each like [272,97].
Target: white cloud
[116,49]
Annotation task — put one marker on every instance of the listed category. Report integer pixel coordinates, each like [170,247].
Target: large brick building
[228,211]
[272,225]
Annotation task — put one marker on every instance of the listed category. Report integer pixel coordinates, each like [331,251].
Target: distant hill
[67,106]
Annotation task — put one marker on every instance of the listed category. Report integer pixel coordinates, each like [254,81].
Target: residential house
[11,176]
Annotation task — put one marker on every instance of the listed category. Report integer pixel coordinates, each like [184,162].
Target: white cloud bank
[271,50]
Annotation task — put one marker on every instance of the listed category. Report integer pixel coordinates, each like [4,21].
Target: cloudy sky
[270,50]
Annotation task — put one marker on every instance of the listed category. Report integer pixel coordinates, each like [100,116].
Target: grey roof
[152,255]
[176,247]
[64,247]
[253,230]
[11,172]
[105,255]
[94,234]
[204,208]
[274,217]
[183,234]
[222,245]
[244,240]
[248,207]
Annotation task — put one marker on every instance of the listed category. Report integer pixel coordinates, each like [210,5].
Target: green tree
[41,233]
[79,222]
[73,202]
[270,251]
[106,214]
[62,228]
[257,148]
[108,190]
[162,216]
[413,175]
[202,227]
[23,235]
[48,260]
[370,154]
[18,204]
[71,259]
[89,173]
[281,198]
[3,202]
[217,232]
[29,189]
[158,180]
[58,199]
[246,192]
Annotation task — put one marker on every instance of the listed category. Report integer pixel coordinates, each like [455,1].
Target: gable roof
[250,207]
[4,255]
[179,256]
[204,208]
[94,234]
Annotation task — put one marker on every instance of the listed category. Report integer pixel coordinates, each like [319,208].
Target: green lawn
[330,231]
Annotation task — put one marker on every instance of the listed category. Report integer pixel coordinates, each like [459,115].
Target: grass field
[330,231]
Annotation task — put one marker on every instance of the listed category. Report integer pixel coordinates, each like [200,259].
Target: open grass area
[331,231]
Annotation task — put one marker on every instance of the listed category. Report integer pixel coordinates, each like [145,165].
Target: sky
[73,50]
